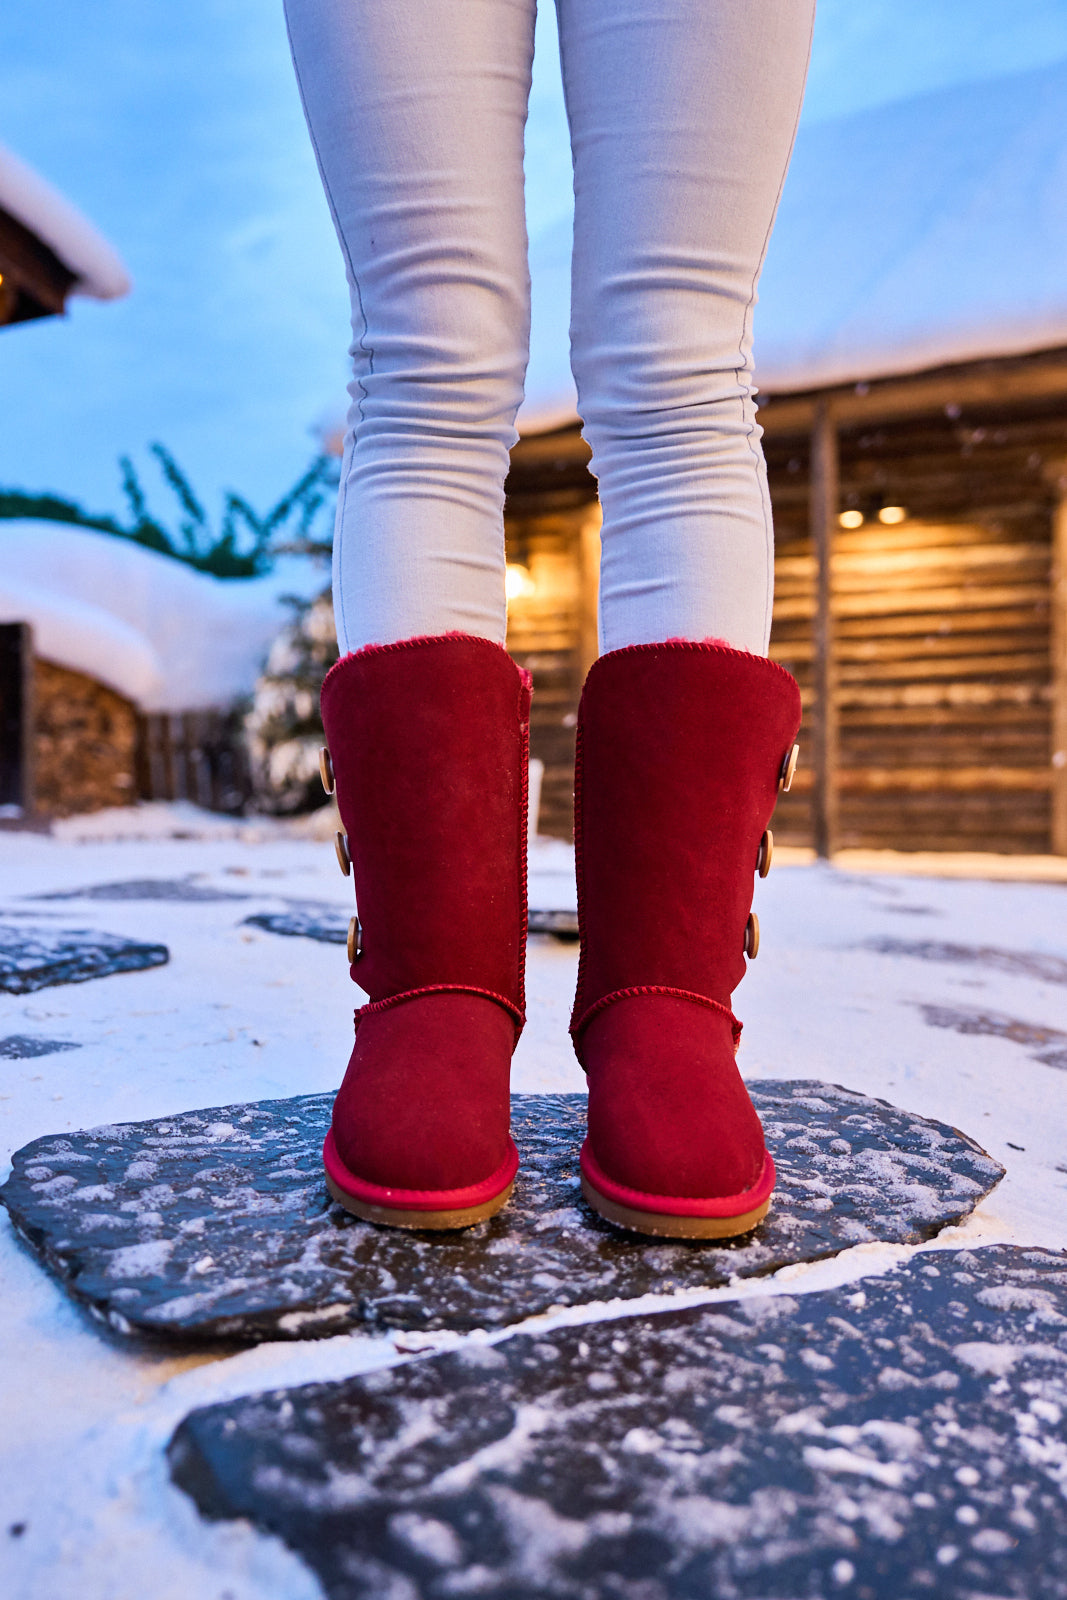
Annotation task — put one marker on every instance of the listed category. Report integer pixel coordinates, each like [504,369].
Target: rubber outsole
[662,1225]
[433,1221]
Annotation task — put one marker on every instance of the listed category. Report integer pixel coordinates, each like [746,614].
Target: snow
[929,231]
[167,637]
[239,1013]
[26,196]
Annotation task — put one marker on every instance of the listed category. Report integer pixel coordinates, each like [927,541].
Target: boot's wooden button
[326,770]
[765,857]
[355,941]
[788,767]
[344,860]
[752,936]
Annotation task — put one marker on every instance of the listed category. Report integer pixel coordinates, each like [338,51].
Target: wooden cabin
[921,601]
[911,355]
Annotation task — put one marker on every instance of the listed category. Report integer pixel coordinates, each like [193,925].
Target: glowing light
[892,514]
[517,581]
[851,519]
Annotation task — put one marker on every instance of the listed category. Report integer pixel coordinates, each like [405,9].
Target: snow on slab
[167,637]
[782,1446]
[213,1224]
[239,1015]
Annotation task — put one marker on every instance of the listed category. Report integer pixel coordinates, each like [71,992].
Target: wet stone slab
[23,1047]
[322,922]
[1016,963]
[217,1224]
[1051,1042]
[38,956]
[330,926]
[893,1439]
[181,889]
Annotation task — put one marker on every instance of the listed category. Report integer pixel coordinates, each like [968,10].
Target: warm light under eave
[517,581]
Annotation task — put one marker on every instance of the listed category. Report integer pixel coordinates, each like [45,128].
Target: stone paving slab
[37,956]
[217,1225]
[24,1047]
[330,926]
[170,889]
[1044,968]
[891,1439]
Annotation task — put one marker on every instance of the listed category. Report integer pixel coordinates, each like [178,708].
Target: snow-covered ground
[947,996]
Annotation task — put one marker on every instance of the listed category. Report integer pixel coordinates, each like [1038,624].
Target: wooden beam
[589,592]
[16,721]
[824,495]
[1026,380]
[1059,665]
[33,280]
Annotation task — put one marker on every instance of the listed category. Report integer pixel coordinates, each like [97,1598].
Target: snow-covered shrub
[282,727]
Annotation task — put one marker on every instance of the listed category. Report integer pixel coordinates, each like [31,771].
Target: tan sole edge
[436,1221]
[661,1225]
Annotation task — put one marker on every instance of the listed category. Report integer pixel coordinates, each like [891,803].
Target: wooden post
[589,587]
[823,520]
[16,721]
[1059,666]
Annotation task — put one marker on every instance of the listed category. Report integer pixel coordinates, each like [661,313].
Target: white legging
[682,117]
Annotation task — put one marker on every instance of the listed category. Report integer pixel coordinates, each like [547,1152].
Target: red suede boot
[428,743]
[682,749]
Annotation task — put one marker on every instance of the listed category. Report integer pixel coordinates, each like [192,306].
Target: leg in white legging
[682,117]
[682,114]
[416,110]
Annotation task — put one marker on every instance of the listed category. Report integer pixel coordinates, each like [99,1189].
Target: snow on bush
[282,727]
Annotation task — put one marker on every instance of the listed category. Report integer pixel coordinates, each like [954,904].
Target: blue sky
[176,129]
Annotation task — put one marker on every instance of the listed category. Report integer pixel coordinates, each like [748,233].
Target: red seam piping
[525,702]
[418,1199]
[391,1000]
[579,865]
[636,990]
[676,1205]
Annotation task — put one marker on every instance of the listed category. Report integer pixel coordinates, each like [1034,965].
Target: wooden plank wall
[943,685]
[545,635]
[944,659]
[193,755]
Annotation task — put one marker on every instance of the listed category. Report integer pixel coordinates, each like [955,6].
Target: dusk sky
[177,130]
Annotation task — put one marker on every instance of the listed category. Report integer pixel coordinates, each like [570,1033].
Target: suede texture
[680,747]
[425,1102]
[668,1112]
[429,741]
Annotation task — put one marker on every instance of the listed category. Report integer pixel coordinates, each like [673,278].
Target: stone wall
[85,743]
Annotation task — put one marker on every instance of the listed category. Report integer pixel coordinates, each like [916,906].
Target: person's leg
[682,119]
[416,110]
[682,115]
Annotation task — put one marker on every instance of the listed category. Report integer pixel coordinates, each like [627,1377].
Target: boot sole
[434,1221]
[662,1225]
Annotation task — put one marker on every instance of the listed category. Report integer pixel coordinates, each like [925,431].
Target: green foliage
[243,545]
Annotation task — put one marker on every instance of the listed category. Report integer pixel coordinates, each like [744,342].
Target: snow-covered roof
[922,233]
[98,271]
[165,636]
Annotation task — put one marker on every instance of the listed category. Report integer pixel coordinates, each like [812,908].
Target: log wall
[549,635]
[949,670]
[943,685]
